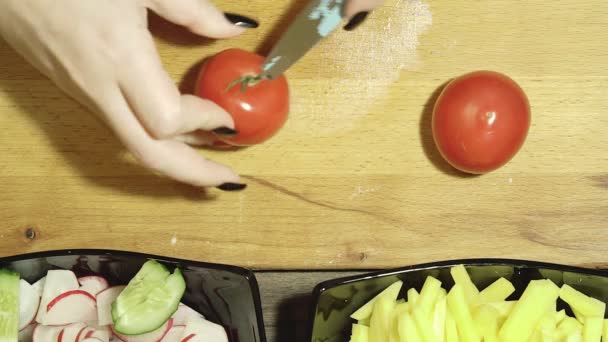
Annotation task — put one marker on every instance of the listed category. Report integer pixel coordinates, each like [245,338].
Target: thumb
[201,17]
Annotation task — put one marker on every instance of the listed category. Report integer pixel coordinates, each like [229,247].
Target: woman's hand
[101,53]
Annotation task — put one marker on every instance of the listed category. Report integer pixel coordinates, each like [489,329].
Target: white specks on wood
[376,58]
[360,190]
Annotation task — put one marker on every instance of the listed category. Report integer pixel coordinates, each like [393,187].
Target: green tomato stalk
[246,81]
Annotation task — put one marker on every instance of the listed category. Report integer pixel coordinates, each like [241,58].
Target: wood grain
[353,180]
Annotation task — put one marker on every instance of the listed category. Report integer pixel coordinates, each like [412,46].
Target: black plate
[335,300]
[224,294]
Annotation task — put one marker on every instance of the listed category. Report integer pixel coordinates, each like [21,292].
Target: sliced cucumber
[9,306]
[149,299]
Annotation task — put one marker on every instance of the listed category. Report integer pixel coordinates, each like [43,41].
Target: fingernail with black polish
[225,131]
[355,21]
[241,21]
[232,186]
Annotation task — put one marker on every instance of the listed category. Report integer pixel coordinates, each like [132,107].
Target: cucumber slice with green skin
[9,306]
[149,299]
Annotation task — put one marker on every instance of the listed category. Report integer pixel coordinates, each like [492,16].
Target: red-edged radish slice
[153,336]
[82,334]
[26,334]
[174,334]
[188,338]
[46,333]
[70,333]
[29,301]
[199,329]
[71,307]
[93,284]
[101,327]
[39,285]
[182,313]
[104,304]
[56,283]
[102,334]
[92,339]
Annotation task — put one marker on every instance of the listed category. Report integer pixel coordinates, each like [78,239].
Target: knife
[314,23]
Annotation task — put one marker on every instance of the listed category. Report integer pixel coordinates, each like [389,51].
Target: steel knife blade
[315,22]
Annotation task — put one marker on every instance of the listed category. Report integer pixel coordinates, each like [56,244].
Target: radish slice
[56,283]
[46,333]
[93,284]
[104,304]
[174,334]
[71,307]
[92,339]
[29,302]
[70,333]
[183,312]
[188,338]
[39,286]
[26,334]
[200,330]
[82,334]
[101,334]
[153,336]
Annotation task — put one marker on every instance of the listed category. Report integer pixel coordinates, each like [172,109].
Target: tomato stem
[245,82]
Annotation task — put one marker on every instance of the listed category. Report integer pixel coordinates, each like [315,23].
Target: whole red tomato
[480,121]
[259,107]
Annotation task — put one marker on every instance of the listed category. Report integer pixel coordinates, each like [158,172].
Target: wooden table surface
[353,180]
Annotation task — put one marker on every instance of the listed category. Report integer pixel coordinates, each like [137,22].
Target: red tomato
[480,121]
[259,110]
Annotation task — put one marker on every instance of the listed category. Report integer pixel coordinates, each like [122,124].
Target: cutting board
[353,180]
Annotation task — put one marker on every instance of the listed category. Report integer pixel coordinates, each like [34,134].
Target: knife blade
[314,23]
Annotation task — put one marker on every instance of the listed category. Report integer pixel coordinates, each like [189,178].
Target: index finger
[171,158]
[358,6]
